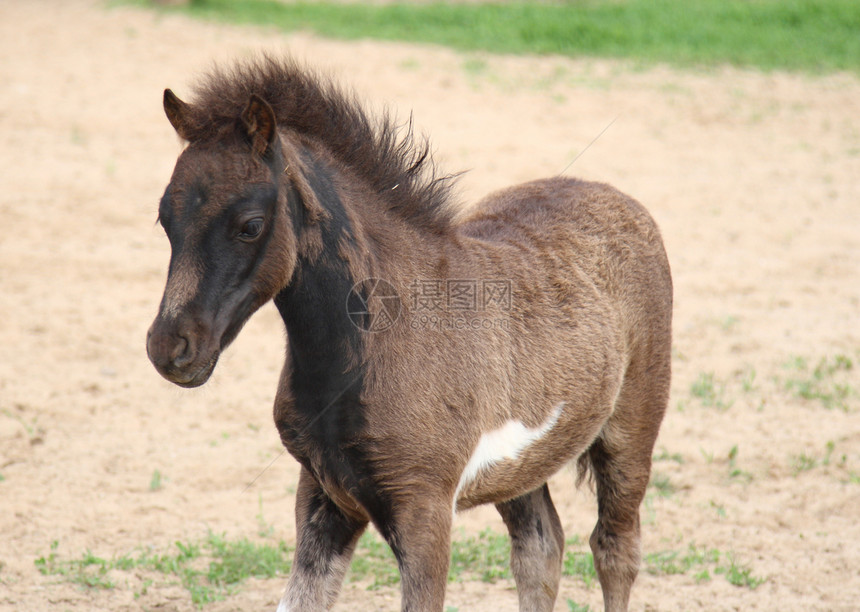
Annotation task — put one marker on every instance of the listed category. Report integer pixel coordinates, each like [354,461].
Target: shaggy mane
[398,166]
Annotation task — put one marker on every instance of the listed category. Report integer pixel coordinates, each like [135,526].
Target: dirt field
[754,179]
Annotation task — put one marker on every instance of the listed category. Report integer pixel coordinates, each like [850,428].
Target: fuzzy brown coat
[435,362]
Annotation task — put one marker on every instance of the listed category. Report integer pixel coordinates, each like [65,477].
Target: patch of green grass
[33,429]
[88,571]
[209,570]
[826,383]
[734,471]
[661,485]
[803,462]
[214,567]
[144,588]
[739,575]
[156,481]
[580,564]
[410,64]
[729,322]
[485,557]
[665,455]
[671,562]
[748,380]
[701,562]
[807,35]
[373,560]
[77,571]
[710,392]
[264,530]
[78,136]
[474,66]
[572,606]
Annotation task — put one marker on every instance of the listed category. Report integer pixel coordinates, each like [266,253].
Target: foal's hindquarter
[427,422]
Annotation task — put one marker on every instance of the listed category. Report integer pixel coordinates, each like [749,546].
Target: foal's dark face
[232,250]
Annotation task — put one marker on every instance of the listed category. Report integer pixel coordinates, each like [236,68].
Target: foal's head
[228,215]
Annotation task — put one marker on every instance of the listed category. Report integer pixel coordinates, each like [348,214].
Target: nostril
[181,353]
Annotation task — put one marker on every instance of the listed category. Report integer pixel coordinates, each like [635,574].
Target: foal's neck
[358,239]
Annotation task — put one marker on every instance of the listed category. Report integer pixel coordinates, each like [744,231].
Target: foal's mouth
[197,377]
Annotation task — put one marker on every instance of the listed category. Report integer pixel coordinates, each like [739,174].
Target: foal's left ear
[258,119]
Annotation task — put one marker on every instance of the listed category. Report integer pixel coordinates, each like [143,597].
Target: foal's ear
[258,119]
[178,114]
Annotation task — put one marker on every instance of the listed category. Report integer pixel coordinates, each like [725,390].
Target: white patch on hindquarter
[282,607]
[504,443]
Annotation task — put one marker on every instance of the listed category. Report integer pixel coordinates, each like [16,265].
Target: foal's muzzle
[181,350]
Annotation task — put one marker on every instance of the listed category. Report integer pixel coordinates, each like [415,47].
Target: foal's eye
[251,229]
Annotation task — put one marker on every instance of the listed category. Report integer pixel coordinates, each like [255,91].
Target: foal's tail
[585,468]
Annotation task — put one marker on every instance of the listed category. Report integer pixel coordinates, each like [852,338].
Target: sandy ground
[754,179]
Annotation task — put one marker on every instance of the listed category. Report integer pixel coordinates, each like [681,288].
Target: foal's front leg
[325,540]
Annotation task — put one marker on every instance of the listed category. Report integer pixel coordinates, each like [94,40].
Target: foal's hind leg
[326,538]
[621,463]
[537,546]
[419,534]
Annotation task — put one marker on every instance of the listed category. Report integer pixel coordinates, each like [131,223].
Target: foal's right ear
[178,113]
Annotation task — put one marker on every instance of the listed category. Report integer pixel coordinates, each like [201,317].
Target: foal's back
[585,251]
[593,222]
